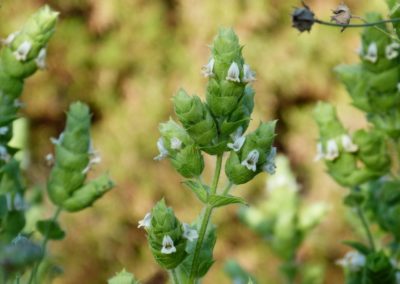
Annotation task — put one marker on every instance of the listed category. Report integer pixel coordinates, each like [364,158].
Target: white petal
[251,160]
[248,74]
[332,151]
[168,245]
[145,222]
[233,73]
[10,38]
[372,53]
[348,144]
[188,233]
[161,148]
[176,144]
[237,144]
[22,51]
[207,70]
[41,59]
[353,260]
[57,141]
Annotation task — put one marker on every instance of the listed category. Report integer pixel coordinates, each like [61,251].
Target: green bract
[123,277]
[165,236]
[245,164]
[66,186]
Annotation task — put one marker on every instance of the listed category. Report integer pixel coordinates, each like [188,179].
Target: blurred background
[126,58]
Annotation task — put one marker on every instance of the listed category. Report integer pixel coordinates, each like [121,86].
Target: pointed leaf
[198,188]
[51,229]
[222,200]
[361,248]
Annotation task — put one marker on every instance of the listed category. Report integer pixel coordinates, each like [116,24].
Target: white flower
[145,222]
[95,158]
[372,53]
[332,151]
[167,245]
[3,130]
[3,153]
[353,260]
[22,51]
[188,233]
[238,140]
[391,50]
[348,144]
[248,74]
[176,144]
[270,166]
[57,141]
[49,159]
[320,152]
[207,70]
[10,38]
[233,73]
[251,161]
[161,148]
[41,59]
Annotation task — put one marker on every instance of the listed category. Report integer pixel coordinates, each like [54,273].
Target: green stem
[206,218]
[35,269]
[227,188]
[174,276]
[366,227]
[356,25]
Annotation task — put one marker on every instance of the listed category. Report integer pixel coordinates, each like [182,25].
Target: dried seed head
[303,18]
[341,15]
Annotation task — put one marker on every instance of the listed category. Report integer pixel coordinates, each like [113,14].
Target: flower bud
[244,164]
[341,15]
[72,157]
[184,155]
[21,54]
[195,117]
[303,18]
[165,237]
[123,277]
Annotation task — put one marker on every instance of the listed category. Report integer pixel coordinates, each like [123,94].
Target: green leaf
[51,229]
[198,188]
[221,200]
[3,205]
[361,248]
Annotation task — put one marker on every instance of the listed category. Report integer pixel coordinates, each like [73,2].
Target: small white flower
[3,130]
[372,53]
[41,59]
[145,222]
[22,51]
[391,50]
[94,159]
[248,74]
[207,70]
[176,144]
[161,148]
[19,203]
[188,233]
[57,141]
[348,144]
[251,160]
[238,140]
[167,245]
[320,152]
[353,260]
[233,73]
[10,38]
[270,166]
[3,153]
[332,150]
[49,159]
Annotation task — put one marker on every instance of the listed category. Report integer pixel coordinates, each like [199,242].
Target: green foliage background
[126,58]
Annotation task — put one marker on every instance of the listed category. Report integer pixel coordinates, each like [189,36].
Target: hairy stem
[35,269]
[366,24]
[366,227]
[206,218]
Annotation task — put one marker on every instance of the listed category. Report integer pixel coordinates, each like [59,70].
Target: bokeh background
[126,58]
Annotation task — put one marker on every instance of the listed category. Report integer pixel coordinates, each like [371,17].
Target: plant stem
[35,269]
[227,188]
[356,25]
[174,276]
[206,218]
[366,227]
